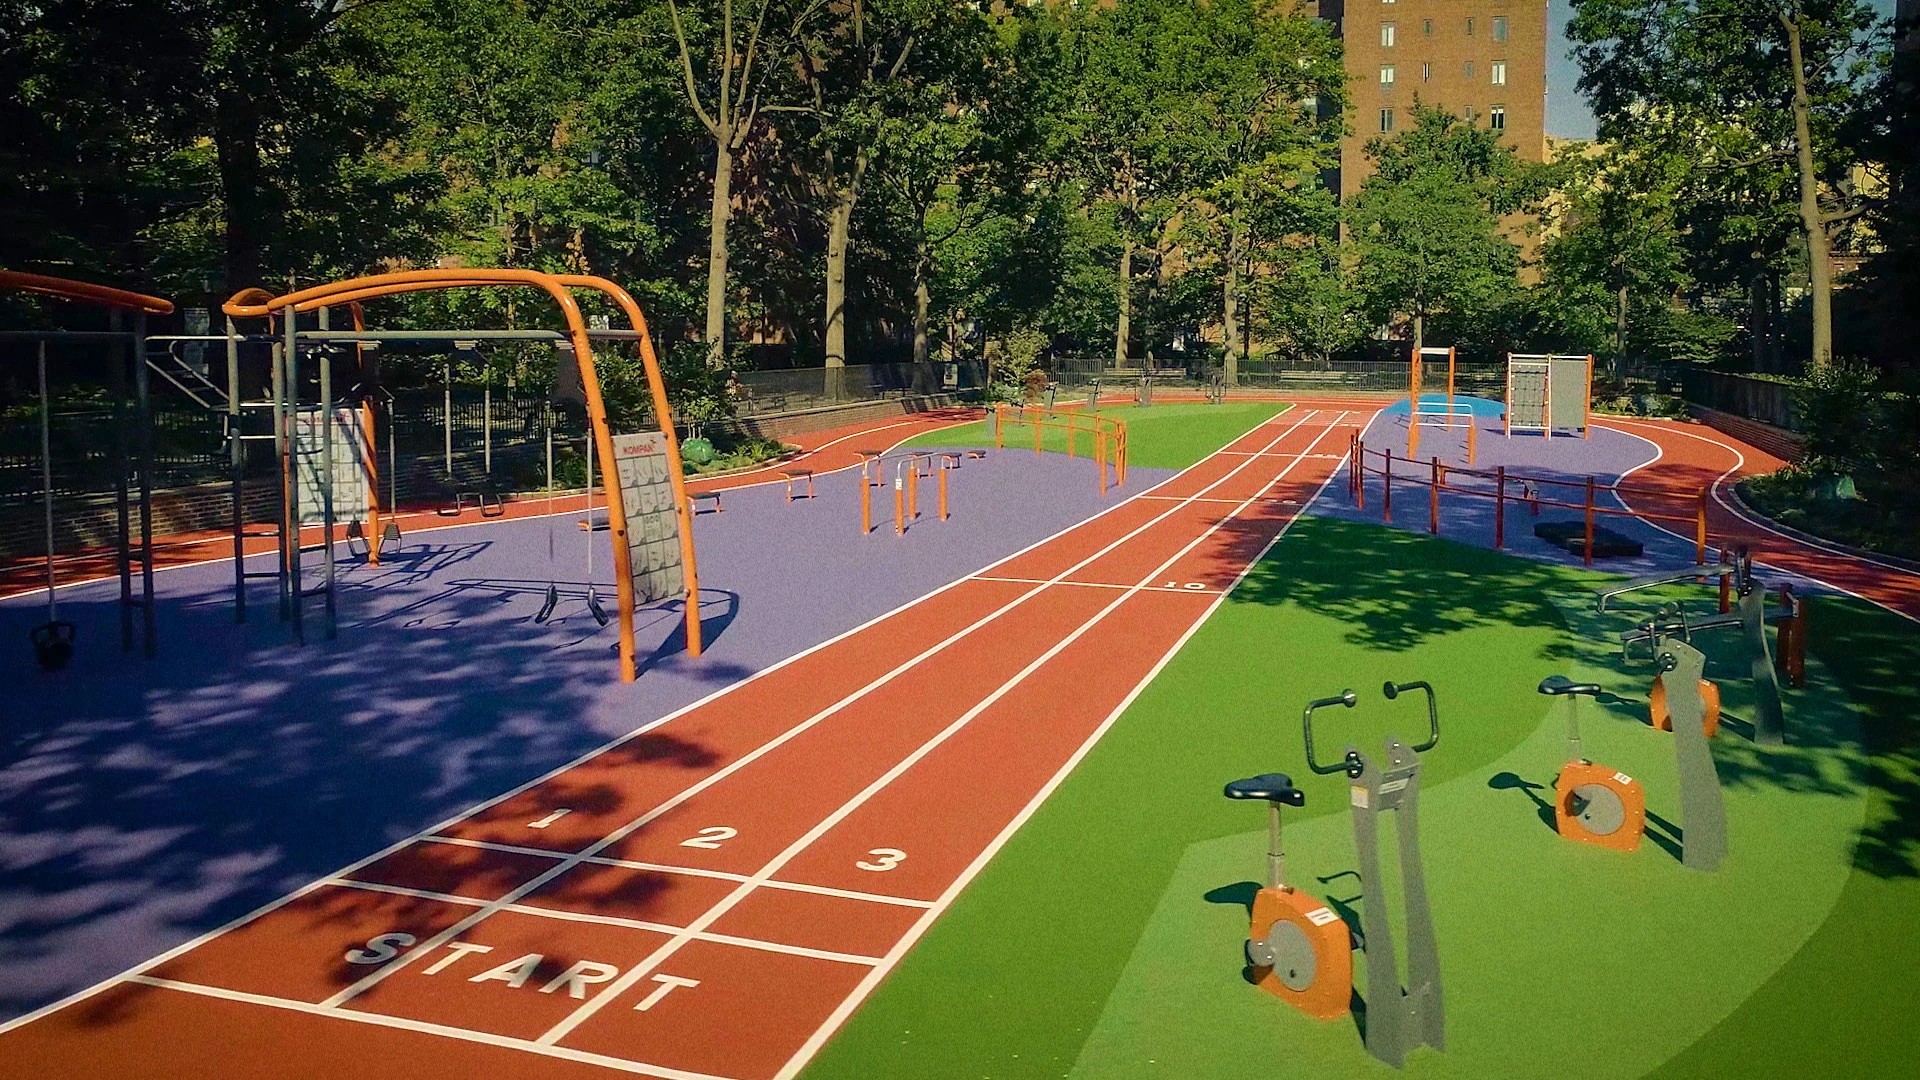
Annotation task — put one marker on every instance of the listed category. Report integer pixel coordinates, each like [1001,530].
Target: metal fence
[1481,378]
[1765,400]
[759,393]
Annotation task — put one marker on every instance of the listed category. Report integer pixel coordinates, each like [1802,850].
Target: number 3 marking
[710,838]
[888,859]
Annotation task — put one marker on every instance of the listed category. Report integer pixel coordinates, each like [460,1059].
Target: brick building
[1481,59]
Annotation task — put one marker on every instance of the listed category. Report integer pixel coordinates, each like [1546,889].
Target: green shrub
[1839,409]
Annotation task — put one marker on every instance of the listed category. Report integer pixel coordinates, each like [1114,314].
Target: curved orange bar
[676,475]
[249,304]
[67,289]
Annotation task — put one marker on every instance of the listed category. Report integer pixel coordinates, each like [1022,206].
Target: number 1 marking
[548,820]
[888,859]
[710,838]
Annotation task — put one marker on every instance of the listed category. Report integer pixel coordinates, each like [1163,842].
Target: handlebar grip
[1346,698]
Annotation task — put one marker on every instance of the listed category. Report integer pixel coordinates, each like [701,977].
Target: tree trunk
[1620,334]
[839,226]
[237,149]
[1124,325]
[922,297]
[1236,245]
[717,253]
[1819,266]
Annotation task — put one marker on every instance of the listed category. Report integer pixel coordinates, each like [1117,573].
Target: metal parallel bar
[237,451]
[70,335]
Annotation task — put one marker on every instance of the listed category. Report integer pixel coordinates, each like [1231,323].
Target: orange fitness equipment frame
[1109,435]
[1288,926]
[257,303]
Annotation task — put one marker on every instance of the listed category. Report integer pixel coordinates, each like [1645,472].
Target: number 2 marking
[711,838]
[888,859]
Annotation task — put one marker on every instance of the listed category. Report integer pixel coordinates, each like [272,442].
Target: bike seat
[1560,685]
[1273,787]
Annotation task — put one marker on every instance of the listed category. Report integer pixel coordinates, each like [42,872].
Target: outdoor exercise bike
[1300,951]
[1399,1016]
[1750,615]
[1593,803]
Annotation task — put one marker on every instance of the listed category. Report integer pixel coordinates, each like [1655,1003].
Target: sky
[1567,113]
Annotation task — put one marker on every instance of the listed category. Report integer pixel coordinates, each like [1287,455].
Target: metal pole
[46,478]
[446,379]
[290,359]
[1500,508]
[143,407]
[1433,500]
[327,624]
[283,465]
[123,462]
[237,451]
[1587,560]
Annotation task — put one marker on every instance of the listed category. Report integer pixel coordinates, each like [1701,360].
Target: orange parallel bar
[84,291]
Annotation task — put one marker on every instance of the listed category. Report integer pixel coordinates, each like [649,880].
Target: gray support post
[1769,721]
[486,425]
[1424,1001]
[283,465]
[1276,855]
[143,431]
[1703,811]
[237,450]
[327,625]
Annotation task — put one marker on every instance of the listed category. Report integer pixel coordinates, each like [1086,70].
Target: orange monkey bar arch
[86,292]
[256,303]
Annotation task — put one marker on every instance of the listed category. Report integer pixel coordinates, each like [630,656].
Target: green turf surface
[1103,940]
[1158,437]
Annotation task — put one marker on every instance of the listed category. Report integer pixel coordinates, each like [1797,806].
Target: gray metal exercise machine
[1399,1016]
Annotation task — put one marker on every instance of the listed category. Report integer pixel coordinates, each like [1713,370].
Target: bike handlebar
[1346,698]
[1394,690]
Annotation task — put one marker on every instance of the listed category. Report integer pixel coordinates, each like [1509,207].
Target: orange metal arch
[67,289]
[253,303]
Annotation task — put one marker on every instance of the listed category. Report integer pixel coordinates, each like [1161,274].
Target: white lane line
[900,949]
[1176,498]
[380,974]
[639,1068]
[689,871]
[1740,461]
[1099,584]
[612,744]
[625,982]
[567,915]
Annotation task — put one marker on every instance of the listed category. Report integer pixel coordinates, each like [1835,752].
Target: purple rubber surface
[145,802]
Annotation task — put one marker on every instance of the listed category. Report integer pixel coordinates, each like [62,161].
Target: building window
[1426,27]
[1499,28]
[1386,35]
[1467,68]
[1386,119]
[1426,72]
[1311,105]
[1469,27]
[1499,71]
[1467,114]
[1497,117]
[1386,75]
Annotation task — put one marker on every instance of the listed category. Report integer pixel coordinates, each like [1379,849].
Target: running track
[714,894]
[1693,456]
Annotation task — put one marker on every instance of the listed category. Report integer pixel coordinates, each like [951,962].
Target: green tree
[1753,84]
[1427,223]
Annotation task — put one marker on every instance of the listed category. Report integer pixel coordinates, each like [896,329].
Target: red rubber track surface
[713,895]
[1692,456]
[821,451]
